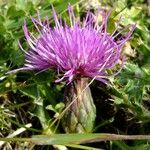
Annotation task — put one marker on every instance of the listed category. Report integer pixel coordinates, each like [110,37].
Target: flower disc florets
[83,49]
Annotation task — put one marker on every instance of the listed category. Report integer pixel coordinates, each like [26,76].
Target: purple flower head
[82,48]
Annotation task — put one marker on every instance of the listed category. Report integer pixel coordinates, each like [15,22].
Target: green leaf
[74,138]
[124,146]
[2,28]
[57,109]
[43,116]
[31,91]
[12,12]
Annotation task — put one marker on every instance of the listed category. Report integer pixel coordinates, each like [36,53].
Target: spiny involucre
[82,48]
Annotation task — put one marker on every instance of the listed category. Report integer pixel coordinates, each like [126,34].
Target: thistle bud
[80,116]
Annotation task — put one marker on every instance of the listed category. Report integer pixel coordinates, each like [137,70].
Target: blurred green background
[26,97]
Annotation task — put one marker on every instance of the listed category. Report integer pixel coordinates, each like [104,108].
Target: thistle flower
[82,49]
[79,51]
